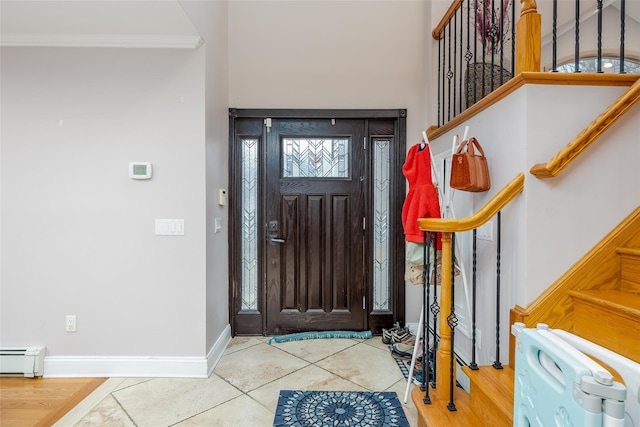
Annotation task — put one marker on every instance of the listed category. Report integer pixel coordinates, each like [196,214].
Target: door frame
[254,322]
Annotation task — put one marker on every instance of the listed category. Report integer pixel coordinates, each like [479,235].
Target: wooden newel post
[528,36]
[444,348]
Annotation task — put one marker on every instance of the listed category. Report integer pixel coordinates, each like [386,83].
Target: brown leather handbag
[469,170]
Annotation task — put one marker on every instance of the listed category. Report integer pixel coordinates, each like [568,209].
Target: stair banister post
[444,350]
[528,38]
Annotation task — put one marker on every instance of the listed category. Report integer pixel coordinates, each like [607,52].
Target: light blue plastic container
[548,385]
[626,368]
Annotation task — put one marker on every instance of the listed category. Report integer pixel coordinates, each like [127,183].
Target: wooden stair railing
[447,227]
[528,37]
[608,277]
[581,142]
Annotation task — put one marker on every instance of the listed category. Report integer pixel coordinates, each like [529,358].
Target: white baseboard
[218,348]
[136,367]
[100,367]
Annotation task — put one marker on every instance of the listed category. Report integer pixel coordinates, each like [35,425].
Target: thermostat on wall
[140,170]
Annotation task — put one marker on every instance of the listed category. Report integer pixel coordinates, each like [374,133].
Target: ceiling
[114,23]
[159,23]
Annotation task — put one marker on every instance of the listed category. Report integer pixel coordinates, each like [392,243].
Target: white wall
[568,215]
[77,232]
[333,54]
[328,54]
[554,222]
[210,19]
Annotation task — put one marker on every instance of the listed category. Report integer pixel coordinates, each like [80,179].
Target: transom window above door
[315,157]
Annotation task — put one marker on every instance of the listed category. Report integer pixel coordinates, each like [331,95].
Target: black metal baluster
[426,264]
[452,321]
[599,60]
[501,29]
[459,70]
[554,40]
[455,60]
[577,38]
[622,25]
[473,365]
[435,308]
[475,54]
[467,56]
[449,74]
[513,38]
[484,48]
[497,363]
[493,30]
[442,40]
[440,95]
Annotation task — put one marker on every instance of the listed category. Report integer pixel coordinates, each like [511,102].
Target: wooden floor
[27,402]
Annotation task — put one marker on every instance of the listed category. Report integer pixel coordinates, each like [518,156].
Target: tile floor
[243,390]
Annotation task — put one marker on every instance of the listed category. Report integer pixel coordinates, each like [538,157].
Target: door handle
[276,240]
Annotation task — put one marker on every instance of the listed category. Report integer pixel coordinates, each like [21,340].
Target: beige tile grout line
[76,414]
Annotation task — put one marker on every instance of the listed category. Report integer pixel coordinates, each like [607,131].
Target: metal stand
[446,207]
[415,354]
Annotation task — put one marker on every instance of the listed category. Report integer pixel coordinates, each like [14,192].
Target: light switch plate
[169,227]
[485,231]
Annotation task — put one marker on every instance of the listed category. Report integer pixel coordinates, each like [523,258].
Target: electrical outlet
[71,323]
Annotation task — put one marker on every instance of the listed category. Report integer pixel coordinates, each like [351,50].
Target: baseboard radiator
[22,361]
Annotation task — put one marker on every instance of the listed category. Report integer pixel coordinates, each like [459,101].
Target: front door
[315,234]
[315,196]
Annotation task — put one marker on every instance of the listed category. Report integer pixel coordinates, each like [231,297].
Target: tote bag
[469,170]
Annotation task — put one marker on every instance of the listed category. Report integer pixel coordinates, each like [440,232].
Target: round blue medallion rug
[339,409]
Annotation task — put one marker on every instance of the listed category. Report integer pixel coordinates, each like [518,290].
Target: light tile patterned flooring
[243,390]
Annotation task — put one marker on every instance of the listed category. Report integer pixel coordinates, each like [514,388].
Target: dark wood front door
[315,234]
[315,196]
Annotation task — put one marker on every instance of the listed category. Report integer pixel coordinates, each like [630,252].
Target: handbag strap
[473,141]
[469,144]
[465,144]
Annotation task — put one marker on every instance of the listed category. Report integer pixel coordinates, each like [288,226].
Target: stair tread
[436,414]
[627,302]
[610,318]
[496,384]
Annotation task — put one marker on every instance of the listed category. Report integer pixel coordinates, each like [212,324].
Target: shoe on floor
[387,333]
[404,350]
[402,335]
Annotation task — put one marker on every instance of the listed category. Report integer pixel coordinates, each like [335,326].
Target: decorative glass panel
[609,65]
[315,158]
[249,224]
[381,225]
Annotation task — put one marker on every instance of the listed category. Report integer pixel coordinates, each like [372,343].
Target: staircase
[609,317]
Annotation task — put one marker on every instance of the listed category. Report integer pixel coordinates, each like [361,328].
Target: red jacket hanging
[422,198]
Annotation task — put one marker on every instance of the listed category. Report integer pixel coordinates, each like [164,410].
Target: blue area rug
[364,335]
[339,408]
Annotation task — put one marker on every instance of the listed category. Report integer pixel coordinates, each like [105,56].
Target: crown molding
[100,40]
